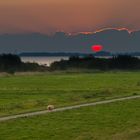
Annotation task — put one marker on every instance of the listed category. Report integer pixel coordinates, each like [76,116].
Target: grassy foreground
[114,121]
[24,93]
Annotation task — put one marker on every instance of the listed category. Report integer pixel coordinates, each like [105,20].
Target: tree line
[12,63]
[120,62]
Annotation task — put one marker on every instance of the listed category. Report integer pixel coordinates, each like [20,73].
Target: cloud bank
[113,40]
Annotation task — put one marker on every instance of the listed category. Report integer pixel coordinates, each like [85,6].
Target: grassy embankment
[25,93]
[114,121]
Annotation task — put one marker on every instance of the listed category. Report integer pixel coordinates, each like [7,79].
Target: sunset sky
[49,16]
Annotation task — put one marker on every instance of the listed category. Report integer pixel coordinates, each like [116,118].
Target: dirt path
[66,108]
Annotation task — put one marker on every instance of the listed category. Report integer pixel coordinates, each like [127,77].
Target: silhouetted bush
[11,63]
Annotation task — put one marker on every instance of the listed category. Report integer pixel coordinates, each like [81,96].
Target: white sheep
[50,107]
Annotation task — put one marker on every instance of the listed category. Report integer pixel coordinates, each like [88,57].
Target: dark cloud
[113,40]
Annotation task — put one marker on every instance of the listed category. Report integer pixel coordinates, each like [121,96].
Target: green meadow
[27,93]
[113,121]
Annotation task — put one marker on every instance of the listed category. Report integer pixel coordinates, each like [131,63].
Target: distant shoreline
[67,54]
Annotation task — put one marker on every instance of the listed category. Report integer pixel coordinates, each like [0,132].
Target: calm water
[43,60]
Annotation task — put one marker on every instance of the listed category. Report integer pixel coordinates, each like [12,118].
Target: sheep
[50,107]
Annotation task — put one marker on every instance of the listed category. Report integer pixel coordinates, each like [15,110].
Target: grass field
[25,93]
[114,121]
